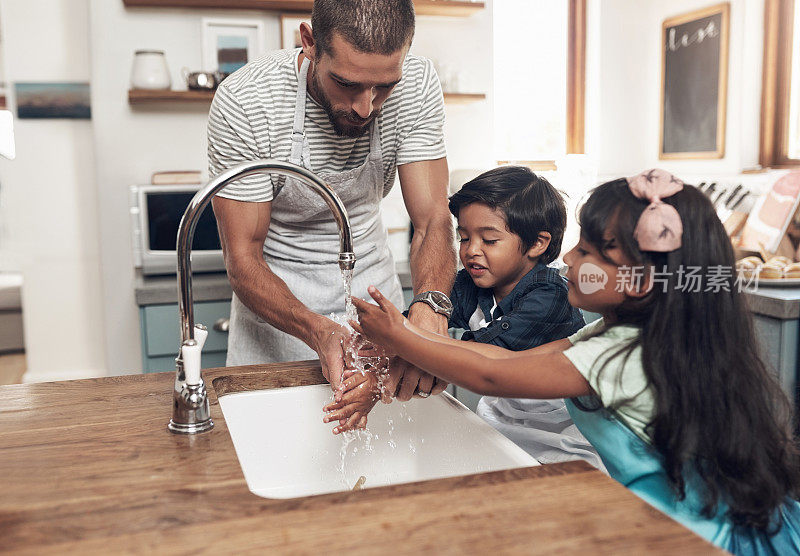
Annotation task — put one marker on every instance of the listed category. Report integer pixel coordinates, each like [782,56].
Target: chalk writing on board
[694,84]
[687,39]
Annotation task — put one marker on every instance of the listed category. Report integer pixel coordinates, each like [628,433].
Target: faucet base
[191,413]
[190,428]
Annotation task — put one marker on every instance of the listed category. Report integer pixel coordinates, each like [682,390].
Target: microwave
[156,212]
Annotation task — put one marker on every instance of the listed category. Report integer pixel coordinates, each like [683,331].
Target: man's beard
[358,125]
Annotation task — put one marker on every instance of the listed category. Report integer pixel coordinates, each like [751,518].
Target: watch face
[441,300]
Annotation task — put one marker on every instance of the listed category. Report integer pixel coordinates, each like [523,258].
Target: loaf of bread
[771,271]
[792,271]
[748,266]
[779,260]
[749,262]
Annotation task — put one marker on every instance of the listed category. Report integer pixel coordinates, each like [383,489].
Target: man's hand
[328,341]
[414,381]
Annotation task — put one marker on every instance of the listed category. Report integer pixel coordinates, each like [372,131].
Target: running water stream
[355,350]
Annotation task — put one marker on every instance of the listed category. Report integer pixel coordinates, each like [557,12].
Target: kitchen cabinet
[161,337]
[776,319]
[778,341]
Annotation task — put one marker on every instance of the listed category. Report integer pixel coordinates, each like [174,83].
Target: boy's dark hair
[374,26]
[530,205]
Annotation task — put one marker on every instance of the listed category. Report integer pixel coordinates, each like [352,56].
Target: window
[780,101]
[539,56]
[794,88]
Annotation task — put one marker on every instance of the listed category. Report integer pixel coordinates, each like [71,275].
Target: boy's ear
[540,245]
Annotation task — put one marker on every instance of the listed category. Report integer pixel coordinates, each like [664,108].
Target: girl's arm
[497,352]
[542,372]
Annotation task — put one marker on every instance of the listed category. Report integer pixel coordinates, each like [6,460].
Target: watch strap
[426,297]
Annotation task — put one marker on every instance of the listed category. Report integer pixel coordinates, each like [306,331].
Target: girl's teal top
[630,459]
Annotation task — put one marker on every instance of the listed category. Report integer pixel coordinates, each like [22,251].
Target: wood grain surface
[88,466]
[453,8]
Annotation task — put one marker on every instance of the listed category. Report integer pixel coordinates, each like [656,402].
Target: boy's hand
[361,393]
[379,323]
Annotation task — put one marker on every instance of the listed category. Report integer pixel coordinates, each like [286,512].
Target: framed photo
[228,44]
[53,100]
[290,29]
[694,84]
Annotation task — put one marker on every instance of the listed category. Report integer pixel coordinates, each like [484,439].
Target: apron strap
[375,141]
[298,126]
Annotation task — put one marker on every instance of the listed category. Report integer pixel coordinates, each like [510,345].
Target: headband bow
[659,227]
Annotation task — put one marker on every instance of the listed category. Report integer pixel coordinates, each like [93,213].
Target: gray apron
[302,247]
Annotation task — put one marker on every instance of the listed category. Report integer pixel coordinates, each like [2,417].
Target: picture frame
[53,100]
[228,44]
[694,84]
[290,29]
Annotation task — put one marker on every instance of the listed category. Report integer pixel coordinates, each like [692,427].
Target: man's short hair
[530,205]
[373,26]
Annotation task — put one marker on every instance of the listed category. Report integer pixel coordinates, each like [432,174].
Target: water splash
[361,356]
[356,348]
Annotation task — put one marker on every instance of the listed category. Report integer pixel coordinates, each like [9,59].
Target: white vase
[150,70]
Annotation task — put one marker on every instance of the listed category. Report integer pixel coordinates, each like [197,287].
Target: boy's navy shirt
[534,313]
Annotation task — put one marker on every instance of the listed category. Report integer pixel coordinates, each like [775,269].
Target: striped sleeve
[425,140]
[231,141]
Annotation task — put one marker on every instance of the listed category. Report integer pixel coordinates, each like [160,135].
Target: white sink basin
[286,451]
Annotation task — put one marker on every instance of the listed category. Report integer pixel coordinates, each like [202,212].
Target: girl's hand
[379,324]
[361,393]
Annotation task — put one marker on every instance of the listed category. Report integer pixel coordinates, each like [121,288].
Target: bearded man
[354,107]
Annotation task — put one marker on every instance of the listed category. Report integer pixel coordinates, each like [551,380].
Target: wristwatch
[437,301]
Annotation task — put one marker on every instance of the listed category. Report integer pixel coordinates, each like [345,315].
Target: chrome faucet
[190,409]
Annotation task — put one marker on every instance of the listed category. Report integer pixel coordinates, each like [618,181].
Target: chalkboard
[694,84]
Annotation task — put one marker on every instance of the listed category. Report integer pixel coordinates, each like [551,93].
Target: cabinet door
[161,327]
[167,362]
[778,342]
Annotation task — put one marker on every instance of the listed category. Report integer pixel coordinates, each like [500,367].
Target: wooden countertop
[88,466]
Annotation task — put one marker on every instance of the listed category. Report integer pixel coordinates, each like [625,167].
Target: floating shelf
[144,96]
[458,8]
[463,98]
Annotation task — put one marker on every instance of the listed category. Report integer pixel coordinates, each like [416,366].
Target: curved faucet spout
[347,258]
[190,409]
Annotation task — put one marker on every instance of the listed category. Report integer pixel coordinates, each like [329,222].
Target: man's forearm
[251,280]
[433,256]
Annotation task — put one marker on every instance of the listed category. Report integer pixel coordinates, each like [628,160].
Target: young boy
[510,225]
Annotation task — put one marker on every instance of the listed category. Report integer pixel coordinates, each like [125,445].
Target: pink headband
[659,227]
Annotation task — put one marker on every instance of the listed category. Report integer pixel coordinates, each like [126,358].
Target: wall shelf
[463,98]
[458,8]
[143,96]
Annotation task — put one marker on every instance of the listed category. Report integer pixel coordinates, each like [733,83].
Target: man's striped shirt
[253,111]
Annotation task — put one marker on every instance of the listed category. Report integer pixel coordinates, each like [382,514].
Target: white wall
[623,87]
[131,143]
[49,197]
[465,44]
